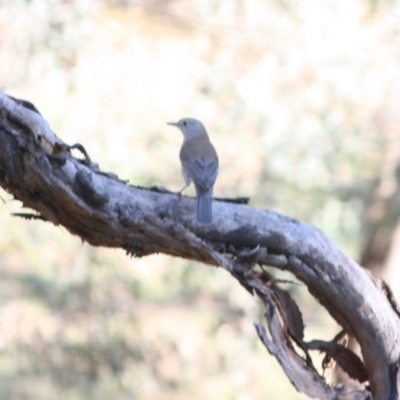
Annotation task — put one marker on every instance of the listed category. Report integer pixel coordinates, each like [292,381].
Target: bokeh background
[302,101]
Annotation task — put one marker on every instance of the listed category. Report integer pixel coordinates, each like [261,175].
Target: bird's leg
[187,179]
[180,192]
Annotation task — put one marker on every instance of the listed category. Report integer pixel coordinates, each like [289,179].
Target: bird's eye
[184,123]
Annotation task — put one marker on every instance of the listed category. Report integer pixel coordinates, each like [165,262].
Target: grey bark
[39,169]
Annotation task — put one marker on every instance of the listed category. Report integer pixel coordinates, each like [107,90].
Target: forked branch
[39,169]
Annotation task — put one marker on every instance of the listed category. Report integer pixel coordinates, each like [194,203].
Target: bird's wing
[203,171]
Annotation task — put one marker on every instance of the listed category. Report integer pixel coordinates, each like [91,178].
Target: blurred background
[302,101]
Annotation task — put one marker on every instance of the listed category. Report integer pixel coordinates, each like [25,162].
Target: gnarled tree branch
[39,170]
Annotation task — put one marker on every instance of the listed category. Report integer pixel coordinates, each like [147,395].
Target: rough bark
[37,168]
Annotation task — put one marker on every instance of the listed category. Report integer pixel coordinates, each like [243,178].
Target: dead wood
[38,169]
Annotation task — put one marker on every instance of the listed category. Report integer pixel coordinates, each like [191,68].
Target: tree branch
[39,170]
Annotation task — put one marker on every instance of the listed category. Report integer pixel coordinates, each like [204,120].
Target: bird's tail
[204,206]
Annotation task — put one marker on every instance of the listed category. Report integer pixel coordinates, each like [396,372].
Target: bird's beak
[173,123]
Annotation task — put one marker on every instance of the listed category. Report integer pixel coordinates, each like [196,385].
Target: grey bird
[199,163]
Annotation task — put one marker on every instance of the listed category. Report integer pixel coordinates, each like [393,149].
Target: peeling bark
[37,168]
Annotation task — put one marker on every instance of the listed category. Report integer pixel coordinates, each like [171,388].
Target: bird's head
[190,127]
